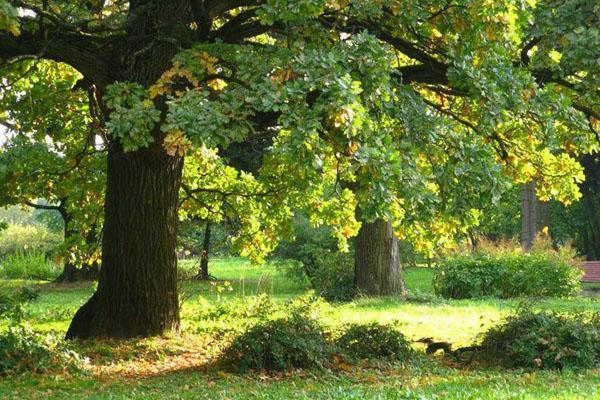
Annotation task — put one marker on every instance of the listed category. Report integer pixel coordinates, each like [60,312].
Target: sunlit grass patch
[183,366]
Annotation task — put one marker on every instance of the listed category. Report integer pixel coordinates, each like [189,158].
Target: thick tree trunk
[203,271]
[137,291]
[377,261]
[535,215]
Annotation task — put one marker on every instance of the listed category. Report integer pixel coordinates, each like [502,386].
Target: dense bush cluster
[374,341]
[330,272]
[291,336]
[25,251]
[25,350]
[277,345]
[508,272]
[545,340]
[295,340]
[27,238]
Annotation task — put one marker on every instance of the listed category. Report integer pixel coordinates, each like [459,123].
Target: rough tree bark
[590,190]
[535,215]
[204,255]
[377,270]
[137,290]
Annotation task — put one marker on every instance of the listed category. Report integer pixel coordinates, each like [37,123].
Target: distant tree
[52,161]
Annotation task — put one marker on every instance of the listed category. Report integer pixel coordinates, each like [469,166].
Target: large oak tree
[412,110]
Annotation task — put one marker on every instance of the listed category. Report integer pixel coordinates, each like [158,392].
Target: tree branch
[43,206]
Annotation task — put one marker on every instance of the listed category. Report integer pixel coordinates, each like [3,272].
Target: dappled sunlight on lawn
[185,365]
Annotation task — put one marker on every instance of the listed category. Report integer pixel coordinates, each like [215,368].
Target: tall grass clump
[28,265]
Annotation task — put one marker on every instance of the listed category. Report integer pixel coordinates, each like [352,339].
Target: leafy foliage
[28,265]
[9,18]
[545,340]
[330,272]
[52,157]
[294,341]
[409,113]
[24,350]
[31,238]
[508,272]
[374,341]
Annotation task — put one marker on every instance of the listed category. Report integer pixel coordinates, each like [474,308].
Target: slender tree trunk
[590,190]
[137,291]
[535,215]
[377,270]
[204,255]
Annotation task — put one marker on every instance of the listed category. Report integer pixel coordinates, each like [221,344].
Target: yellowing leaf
[176,143]
[217,84]
[207,62]
[555,56]
[158,89]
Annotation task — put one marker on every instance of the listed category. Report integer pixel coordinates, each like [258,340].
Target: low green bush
[374,341]
[544,340]
[28,265]
[329,272]
[508,273]
[24,350]
[296,341]
[332,275]
[27,238]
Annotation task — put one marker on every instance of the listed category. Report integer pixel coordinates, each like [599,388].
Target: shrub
[330,272]
[24,350]
[332,275]
[374,341]
[28,266]
[278,345]
[28,294]
[509,273]
[544,340]
[29,238]
[294,341]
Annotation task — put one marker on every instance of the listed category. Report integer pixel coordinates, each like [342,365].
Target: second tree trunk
[377,270]
[535,215]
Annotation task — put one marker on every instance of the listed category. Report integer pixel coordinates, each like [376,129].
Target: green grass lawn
[181,367]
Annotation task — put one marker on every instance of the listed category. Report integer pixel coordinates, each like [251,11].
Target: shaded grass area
[181,367]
